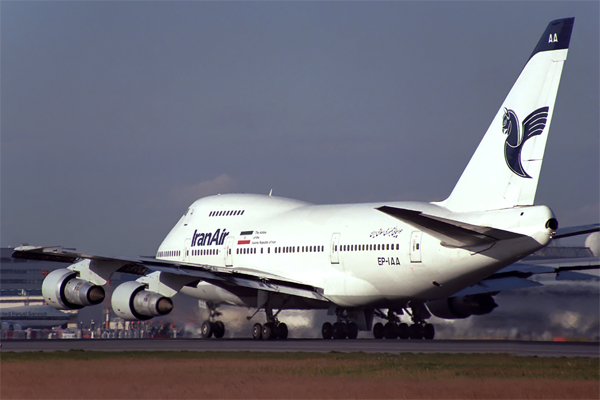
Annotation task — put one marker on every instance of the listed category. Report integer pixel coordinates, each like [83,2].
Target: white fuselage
[358,255]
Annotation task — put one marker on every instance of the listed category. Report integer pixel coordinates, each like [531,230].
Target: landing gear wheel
[416,331]
[390,331]
[282,331]
[352,330]
[207,329]
[327,330]
[218,329]
[257,331]
[339,330]
[428,332]
[403,331]
[268,331]
[378,331]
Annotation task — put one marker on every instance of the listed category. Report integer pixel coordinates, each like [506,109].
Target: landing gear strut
[210,327]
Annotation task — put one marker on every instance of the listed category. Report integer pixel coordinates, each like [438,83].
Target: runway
[518,348]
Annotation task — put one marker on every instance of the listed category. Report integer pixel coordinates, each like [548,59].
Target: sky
[115,116]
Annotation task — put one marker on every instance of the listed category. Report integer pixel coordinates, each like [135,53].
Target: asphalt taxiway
[519,348]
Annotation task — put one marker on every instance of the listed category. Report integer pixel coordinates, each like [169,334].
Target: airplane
[35,317]
[358,261]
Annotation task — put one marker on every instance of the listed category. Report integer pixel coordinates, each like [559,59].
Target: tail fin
[505,169]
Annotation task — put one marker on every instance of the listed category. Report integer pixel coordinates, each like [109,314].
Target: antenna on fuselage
[271,192]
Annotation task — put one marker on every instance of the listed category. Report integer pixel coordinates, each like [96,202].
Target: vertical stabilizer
[505,169]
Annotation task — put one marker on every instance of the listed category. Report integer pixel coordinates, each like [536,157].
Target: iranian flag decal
[243,237]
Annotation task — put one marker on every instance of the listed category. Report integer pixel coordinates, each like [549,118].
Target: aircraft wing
[515,276]
[219,276]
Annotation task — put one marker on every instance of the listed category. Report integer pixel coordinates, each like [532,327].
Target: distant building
[21,280]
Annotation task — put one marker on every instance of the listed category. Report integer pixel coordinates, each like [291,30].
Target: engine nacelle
[63,290]
[462,307]
[131,301]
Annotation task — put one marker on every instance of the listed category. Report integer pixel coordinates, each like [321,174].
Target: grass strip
[333,364]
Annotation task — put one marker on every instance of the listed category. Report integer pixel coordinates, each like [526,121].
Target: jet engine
[132,302]
[462,307]
[63,290]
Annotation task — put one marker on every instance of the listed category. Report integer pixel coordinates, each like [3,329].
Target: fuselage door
[415,246]
[335,248]
[186,250]
[229,240]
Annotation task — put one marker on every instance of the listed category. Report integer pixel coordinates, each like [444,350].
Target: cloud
[185,195]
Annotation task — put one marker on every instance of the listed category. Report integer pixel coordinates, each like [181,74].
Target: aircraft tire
[378,331]
[339,330]
[403,331]
[218,329]
[428,332]
[390,331]
[268,331]
[282,331]
[352,330]
[327,330]
[416,331]
[257,330]
[207,329]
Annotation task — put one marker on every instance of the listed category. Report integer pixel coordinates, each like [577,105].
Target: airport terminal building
[21,280]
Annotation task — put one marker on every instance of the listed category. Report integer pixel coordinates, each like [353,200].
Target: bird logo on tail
[517,135]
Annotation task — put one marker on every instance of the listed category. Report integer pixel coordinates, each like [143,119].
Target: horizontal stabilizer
[575,231]
[451,233]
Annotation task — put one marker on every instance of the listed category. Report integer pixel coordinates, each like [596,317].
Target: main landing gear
[272,329]
[342,329]
[339,330]
[394,329]
[210,327]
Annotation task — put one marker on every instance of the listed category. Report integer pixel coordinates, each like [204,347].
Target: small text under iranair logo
[216,238]
[517,135]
